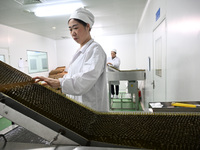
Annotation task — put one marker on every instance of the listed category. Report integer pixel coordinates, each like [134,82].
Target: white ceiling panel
[112,17]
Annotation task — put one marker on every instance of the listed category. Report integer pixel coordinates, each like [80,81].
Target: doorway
[159,66]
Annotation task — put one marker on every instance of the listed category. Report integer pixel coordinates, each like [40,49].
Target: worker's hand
[54,83]
[109,63]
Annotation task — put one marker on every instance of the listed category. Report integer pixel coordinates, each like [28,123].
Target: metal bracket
[153,84]
[1,135]
[4,145]
[55,138]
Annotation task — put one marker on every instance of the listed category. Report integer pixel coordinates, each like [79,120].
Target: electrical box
[132,86]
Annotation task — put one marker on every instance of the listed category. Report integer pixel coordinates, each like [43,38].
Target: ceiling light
[28,2]
[54,28]
[56,10]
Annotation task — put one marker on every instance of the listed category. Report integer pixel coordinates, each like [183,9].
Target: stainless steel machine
[132,76]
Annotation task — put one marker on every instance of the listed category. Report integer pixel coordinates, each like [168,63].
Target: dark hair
[82,22]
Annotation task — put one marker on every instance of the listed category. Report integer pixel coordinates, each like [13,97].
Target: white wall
[125,45]
[65,51]
[18,41]
[183,43]
[183,50]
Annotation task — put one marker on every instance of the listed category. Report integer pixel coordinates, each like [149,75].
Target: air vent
[64,37]
[28,2]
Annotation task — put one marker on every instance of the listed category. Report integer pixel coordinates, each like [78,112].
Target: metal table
[132,76]
[168,107]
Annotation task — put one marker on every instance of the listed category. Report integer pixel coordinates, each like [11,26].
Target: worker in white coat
[114,61]
[86,77]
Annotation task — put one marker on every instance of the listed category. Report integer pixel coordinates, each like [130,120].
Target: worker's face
[79,32]
[113,54]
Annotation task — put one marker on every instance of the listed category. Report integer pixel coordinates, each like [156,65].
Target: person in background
[86,77]
[114,61]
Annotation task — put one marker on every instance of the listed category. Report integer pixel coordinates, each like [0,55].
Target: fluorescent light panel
[56,10]
[28,2]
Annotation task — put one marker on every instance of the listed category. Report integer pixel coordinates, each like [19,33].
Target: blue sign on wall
[158,14]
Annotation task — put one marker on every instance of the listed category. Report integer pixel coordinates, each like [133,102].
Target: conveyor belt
[88,127]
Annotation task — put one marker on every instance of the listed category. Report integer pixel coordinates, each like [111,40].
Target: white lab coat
[115,63]
[86,78]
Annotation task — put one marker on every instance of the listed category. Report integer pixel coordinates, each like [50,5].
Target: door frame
[164,62]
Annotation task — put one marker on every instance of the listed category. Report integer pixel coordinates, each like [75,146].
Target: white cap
[114,50]
[84,15]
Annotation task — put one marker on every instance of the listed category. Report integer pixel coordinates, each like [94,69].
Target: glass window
[37,61]
[2,58]
[158,57]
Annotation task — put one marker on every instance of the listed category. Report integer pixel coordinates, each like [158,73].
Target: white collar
[86,45]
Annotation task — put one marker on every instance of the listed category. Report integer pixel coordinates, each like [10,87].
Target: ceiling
[112,17]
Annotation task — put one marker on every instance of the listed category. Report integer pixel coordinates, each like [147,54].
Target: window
[2,58]
[37,61]
[158,57]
